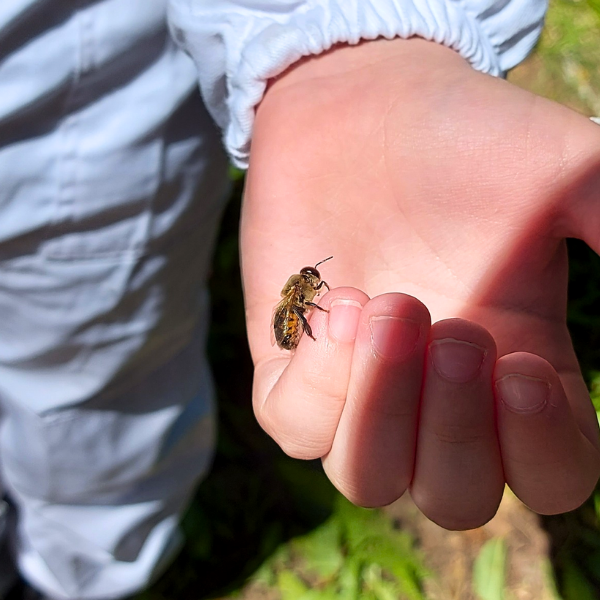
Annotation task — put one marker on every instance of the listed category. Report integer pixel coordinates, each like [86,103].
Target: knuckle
[324,387]
[459,435]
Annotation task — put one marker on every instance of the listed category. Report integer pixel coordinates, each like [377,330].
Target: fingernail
[394,338]
[343,319]
[524,394]
[456,360]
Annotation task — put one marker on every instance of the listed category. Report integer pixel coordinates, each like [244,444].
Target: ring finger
[458,479]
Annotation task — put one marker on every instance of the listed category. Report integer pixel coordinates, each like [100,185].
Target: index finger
[298,398]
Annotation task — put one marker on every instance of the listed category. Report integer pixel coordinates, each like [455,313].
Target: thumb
[582,187]
[578,208]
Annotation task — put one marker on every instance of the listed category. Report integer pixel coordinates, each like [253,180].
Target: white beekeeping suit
[112,180]
[237,46]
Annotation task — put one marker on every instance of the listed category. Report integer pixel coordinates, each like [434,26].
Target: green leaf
[267,572]
[290,586]
[489,570]
[349,579]
[381,589]
[371,540]
[322,549]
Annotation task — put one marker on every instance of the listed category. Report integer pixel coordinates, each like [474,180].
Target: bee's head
[310,272]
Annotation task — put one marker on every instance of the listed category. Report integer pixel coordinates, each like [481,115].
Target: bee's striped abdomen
[287,329]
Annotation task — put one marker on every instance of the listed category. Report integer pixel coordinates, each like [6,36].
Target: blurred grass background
[264,526]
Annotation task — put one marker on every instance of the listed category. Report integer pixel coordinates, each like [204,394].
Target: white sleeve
[238,45]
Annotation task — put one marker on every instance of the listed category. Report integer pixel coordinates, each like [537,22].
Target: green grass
[354,554]
[489,570]
[564,66]
[266,526]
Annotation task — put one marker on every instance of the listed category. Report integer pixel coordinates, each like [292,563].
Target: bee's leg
[304,323]
[313,305]
[323,283]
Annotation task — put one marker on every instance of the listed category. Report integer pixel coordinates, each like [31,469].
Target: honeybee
[289,320]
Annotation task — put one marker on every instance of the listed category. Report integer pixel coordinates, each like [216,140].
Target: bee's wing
[282,307]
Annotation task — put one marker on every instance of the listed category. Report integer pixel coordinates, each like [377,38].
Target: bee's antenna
[324,260]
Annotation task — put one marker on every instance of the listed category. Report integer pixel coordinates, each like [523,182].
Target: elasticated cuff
[237,49]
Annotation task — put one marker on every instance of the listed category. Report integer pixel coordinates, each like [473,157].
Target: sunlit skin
[445,196]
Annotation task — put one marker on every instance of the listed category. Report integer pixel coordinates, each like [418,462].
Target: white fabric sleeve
[238,45]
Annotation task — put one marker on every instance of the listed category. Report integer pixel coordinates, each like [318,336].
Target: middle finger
[371,460]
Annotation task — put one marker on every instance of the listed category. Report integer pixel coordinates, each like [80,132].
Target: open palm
[444,196]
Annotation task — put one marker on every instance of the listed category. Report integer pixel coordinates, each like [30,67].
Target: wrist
[415,59]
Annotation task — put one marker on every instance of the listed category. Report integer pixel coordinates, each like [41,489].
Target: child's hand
[422,176]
